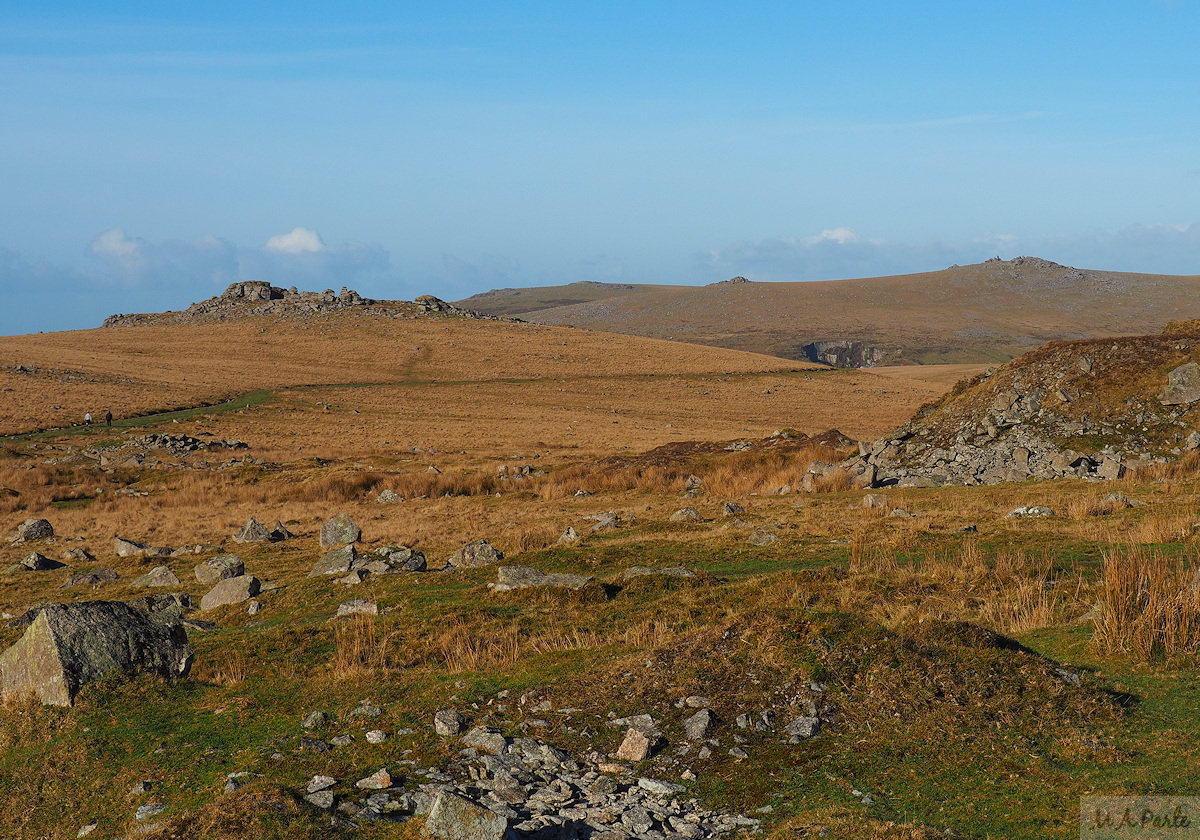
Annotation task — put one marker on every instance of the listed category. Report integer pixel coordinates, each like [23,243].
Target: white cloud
[299,241]
[114,244]
[840,235]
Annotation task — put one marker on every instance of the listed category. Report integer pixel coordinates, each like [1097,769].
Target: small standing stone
[635,747]
[378,780]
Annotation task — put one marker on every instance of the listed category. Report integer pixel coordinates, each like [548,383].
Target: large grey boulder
[473,555]
[218,568]
[339,531]
[33,529]
[232,590]
[338,561]
[70,645]
[1183,385]
[158,576]
[454,817]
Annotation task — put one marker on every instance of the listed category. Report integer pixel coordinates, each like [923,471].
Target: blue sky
[149,154]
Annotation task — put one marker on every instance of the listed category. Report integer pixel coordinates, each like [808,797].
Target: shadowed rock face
[70,645]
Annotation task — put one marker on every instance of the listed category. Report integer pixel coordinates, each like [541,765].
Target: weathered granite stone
[232,590]
[69,645]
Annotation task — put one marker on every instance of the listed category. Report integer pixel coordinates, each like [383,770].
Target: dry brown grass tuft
[459,646]
[1151,605]
[360,648]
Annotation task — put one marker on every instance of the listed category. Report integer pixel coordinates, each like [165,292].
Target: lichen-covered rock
[70,645]
[39,563]
[339,531]
[473,555]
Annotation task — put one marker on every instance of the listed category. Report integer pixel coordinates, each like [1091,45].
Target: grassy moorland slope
[967,683]
[988,312]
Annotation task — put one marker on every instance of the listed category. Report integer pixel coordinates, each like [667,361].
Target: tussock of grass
[1151,605]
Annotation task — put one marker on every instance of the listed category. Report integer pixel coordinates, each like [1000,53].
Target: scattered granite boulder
[130,548]
[232,590]
[252,532]
[337,561]
[33,529]
[218,568]
[1183,385]
[94,578]
[388,497]
[67,646]
[802,728]
[339,531]
[732,509]
[36,562]
[402,558]
[279,533]
[358,606]
[448,722]
[524,577]
[569,536]
[453,817]
[696,727]
[476,554]
[687,514]
[657,571]
[761,538]
[1030,512]
[379,780]
[636,746]
[158,576]
[78,555]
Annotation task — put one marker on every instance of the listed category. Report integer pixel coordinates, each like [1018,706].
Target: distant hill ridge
[986,312]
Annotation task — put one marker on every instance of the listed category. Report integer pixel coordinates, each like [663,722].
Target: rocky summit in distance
[251,298]
[1089,409]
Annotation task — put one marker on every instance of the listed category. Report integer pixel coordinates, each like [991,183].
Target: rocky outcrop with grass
[259,298]
[1087,409]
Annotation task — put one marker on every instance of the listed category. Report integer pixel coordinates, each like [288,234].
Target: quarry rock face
[70,645]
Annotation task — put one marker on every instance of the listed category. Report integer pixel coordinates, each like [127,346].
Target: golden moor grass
[1151,606]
